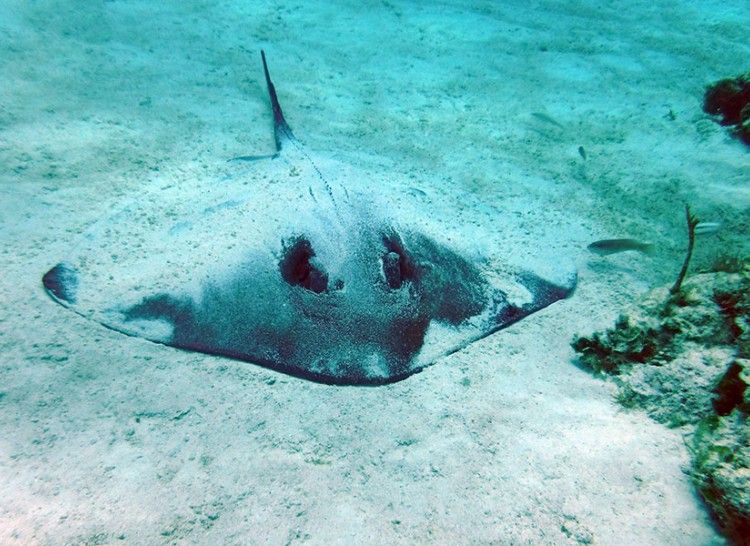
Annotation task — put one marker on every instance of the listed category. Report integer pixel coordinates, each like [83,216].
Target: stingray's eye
[392,270]
[398,267]
[300,268]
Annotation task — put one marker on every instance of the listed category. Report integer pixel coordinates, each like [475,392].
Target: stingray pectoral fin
[543,293]
[150,315]
[61,282]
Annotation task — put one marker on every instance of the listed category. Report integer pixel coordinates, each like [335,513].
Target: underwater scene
[387,272]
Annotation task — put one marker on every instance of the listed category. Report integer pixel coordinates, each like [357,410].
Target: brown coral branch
[692,221]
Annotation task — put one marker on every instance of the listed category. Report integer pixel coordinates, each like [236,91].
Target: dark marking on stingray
[61,281]
[434,283]
[398,266]
[299,267]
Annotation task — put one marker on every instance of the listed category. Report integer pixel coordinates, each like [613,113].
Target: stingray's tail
[282,131]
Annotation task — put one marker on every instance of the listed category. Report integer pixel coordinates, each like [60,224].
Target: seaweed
[692,221]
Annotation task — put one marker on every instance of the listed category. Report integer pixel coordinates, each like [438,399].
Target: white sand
[109,439]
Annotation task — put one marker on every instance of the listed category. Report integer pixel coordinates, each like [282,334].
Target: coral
[627,343]
[743,127]
[681,392]
[711,310]
[685,359]
[732,389]
[721,471]
[727,98]
[730,99]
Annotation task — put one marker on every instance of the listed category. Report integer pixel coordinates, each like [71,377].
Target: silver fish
[605,247]
[704,228]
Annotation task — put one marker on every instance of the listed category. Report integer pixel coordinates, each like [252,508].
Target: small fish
[546,118]
[704,228]
[605,247]
[582,152]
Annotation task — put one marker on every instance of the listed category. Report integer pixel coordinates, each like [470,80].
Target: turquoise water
[522,130]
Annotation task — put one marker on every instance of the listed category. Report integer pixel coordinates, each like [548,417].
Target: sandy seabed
[108,439]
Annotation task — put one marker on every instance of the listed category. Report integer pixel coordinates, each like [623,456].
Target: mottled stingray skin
[299,263]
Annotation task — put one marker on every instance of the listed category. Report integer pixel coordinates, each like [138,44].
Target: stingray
[310,266]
